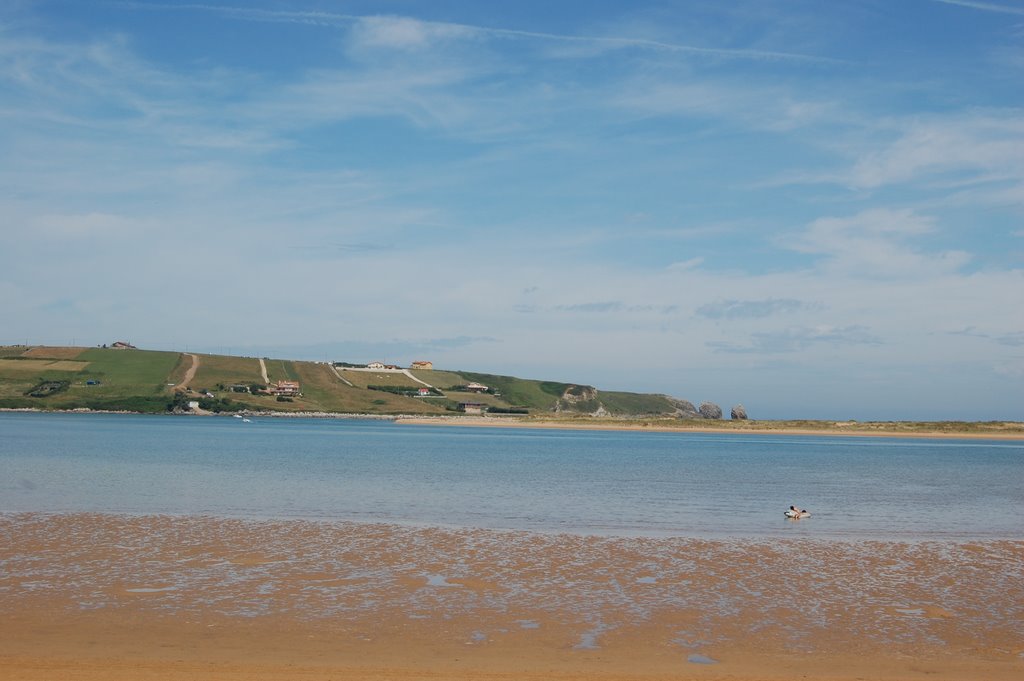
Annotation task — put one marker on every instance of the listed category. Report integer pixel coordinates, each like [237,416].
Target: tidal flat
[92,595]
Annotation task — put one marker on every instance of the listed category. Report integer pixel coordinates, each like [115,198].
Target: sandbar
[1009,431]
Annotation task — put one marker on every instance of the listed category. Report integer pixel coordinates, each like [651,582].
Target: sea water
[575,481]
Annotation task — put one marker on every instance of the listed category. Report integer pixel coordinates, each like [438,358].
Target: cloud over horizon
[699,201]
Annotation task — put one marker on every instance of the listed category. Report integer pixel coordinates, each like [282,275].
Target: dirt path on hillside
[340,377]
[409,374]
[191,373]
[263,370]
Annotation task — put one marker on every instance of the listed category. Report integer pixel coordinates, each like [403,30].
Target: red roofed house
[286,388]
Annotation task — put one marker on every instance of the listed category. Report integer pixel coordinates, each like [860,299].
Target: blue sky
[810,208]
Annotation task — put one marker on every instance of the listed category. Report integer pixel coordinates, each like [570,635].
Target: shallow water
[605,483]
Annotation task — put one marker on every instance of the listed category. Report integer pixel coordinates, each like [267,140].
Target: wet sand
[108,597]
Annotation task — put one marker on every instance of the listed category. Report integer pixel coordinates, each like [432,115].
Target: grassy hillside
[155,382]
[635,403]
[223,370]
[93,378]
[150,381]
[128,370]
[538,395]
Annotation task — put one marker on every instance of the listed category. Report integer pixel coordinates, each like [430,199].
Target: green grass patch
[8,402]
[519,392]
[119,369]
[223,370]
[636,404]
[11,386]
[439,379]
[281,370]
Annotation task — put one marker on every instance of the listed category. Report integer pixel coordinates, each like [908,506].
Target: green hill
[59,378]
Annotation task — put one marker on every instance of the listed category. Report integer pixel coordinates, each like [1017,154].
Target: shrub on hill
[47,388]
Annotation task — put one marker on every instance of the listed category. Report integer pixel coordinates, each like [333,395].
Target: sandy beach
[88,596]
[1011,431]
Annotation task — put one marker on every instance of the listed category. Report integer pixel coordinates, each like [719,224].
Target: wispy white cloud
[613,306]
[796,339]
[984,6]
[752,309]
[875,242]
[405,33]
[985,144]
[762,107]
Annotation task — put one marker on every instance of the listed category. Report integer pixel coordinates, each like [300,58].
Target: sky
[813,209]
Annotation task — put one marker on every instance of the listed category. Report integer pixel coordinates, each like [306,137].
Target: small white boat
[237,416]
[794,515]
[246,421]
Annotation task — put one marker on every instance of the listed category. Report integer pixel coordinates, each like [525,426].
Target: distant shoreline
[1013,431]
[754,428]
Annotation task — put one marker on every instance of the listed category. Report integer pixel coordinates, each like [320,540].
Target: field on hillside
[40,367]
[227,371]
[20,370]
[49,352]
[281,370]
[147,370]
[440,379]
[12,350]
[96,378]
[321,384]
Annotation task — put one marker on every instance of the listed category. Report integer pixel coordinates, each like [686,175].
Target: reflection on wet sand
[341,596]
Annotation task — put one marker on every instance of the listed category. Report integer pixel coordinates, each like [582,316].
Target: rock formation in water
[710,410]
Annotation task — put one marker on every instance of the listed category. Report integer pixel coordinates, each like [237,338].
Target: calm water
[576,481]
